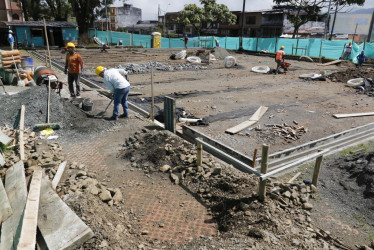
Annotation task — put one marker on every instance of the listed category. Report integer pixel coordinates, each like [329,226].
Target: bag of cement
[181,55]
[193,59]
[212,57]
[229,62]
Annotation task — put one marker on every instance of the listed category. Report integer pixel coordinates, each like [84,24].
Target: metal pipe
[242,28]
[327,21]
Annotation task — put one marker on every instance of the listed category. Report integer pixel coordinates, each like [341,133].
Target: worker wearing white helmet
[11,39]
[72,69]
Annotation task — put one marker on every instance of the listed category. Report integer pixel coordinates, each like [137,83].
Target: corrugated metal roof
[60,24]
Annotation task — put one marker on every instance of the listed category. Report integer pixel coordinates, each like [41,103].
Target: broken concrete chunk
[105,195]
[165,168]
[117,196]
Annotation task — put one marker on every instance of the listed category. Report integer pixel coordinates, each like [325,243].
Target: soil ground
[217,211]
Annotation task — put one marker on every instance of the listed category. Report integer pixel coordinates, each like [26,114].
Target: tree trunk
[25,9]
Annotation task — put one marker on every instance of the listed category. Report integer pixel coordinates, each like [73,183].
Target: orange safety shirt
[279,55]
[73,61]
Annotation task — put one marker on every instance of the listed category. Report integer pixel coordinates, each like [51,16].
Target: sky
[150,7]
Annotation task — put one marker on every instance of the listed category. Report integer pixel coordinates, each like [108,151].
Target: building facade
[11,11]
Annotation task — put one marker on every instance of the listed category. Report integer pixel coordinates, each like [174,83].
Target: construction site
[218,152]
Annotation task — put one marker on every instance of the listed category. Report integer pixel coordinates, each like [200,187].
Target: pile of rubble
[284,219]
[146,67]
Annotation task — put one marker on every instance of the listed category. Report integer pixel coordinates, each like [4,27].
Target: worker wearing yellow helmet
[74,69]
[117,82]
[347,52]
[217,42]
[279,58]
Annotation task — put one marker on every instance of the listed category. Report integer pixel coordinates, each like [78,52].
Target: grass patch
[368,229]
[356,149]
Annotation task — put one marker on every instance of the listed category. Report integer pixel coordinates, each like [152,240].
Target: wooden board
[60,227]
[330,63]
[15,187]
[58,175]
[5,209]
[20,136]
[352,115]
[4,139]
[252,120]
[30,218]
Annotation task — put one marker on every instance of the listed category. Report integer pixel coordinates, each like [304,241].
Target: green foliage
[210,13]
[356,149]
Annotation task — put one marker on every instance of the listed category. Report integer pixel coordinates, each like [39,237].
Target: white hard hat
[10,31]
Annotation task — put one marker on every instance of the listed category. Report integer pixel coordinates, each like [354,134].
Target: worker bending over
[279,58]
[348,51]
[115,80]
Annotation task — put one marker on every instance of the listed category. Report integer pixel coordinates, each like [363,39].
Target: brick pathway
[166,211]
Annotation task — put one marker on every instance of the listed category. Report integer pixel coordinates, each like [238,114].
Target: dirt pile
[230,196]
[352,72]
[220,53]
[74,123]
[133,68]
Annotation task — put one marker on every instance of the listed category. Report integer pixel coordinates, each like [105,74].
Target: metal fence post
[199,156]
[169,114]
[264,169]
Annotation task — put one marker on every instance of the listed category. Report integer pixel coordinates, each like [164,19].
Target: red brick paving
[167,211]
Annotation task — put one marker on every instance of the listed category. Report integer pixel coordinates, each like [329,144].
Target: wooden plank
[30,218]
[15,187]
[252,120]
[20,137]
[5,208]
[4,139]
[352,115]
[60,227]
[330,63]
[58,175]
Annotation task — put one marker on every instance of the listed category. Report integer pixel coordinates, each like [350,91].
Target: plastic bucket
[27,63]
[87,104]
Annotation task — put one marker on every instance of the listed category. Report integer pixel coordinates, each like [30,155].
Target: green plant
[356,149]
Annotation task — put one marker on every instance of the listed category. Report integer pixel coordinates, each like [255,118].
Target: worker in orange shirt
[279,58]
[72,69]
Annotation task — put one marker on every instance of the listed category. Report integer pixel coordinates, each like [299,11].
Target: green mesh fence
[301,47]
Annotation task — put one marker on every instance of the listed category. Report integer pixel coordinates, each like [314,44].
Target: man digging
[115,80]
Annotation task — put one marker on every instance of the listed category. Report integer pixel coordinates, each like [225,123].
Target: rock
[105,195]
[103,244]
[165,168]
[217,171]
[294,195]
[256,233]
[287,194]
[117,196]
[81,173]
[145,232]
[295,242]
[93,190]
[243,206]
[91,175]
[313,188]
[307,206]
[175,178]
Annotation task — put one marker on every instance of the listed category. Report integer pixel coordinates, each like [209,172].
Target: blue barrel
[27,63]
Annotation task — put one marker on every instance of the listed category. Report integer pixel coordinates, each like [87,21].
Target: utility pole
[371,28]
[327,21]
[333,23]
[107,26]
[242,28]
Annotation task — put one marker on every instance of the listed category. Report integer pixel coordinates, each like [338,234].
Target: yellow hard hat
[70,45]
[282,47]
[350,42]
[98,70]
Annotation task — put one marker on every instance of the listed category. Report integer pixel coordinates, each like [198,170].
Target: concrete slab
[5,209]
[4,139]
[58,175]
[15,187]
[60,227]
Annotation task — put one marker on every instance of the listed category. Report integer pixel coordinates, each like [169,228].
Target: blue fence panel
[266,44]
[115,37]
[333,49]
[232,43]
[70,34]
[369,50]
[177,43]
[37,41]
[249,43]
[165,43]
[142,40]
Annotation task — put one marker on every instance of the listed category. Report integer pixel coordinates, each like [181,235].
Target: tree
[300,12]
[34,9]
[209,14]
[59,9]
[86,11]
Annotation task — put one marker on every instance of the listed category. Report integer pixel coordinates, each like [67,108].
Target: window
[15,17]
[225,32]
[112,19]
[36,32]
[113,11]
[187,30]
[250,20]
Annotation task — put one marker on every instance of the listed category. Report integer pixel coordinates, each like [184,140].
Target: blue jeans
[120,97]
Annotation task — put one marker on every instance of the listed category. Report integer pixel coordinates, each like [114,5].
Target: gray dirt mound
[220,53]
[75,124]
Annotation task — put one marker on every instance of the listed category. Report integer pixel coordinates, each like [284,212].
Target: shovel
[103,112]
[19,82]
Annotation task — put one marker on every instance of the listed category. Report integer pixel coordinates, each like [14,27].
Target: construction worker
[217,42]
[279,58]
[185,41]
[361,58]
[11,39]
[72,69]
[115,80]
[348,51]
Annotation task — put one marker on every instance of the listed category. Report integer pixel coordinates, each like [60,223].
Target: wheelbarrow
[285,65]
